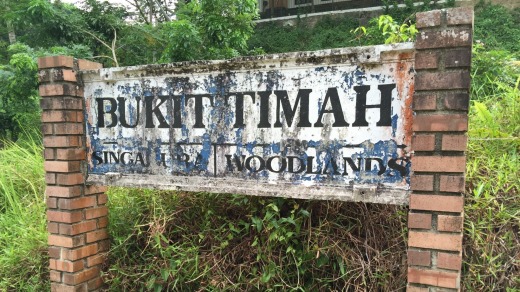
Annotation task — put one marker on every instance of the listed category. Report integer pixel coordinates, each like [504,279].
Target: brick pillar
[442,63]
[76,213]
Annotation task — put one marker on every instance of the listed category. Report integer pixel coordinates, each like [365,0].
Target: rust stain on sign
[332,124]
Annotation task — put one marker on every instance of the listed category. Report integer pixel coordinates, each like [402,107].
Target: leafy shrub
[497,27]
[386,28]
[180,241]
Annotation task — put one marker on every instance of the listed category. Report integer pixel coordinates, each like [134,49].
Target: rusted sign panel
[330,124]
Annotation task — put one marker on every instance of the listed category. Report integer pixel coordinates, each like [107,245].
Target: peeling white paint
[183,126]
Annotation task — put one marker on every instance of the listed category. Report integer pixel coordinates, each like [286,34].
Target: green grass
[23,235]
[492,210]
[492,223]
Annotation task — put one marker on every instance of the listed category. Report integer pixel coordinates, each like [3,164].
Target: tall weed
[492,225]
[23,235]
[493,73]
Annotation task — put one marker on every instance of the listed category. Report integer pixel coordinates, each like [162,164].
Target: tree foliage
[19,100]
[497,27]
[208,29]
[204,29]
[18,94]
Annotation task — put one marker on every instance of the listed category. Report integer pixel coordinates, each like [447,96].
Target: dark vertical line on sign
[215,160]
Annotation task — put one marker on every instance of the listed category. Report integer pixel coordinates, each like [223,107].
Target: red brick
[449,223]
[440,123]
[49,154]
[54,116]
[419,220]
[68,75]
[96,212]
[62,166]
[95,189]
[64,217]
[426,60]
[56,287]
[79,203]
[47,129]
[421,182]
[442,80]
[79,253]
[61,103]
[52,203]
[456,101]
[411,288]
[95,283]
[419,258]
[424,101]
[88,65]
[83,276]
[102,199]
[61,141]
[55,276]
[449,261]
[62,192]
[433,278]
[454,142]
[68,129]
[60,90]
[80,117]
[460,15]
[57,74]
[448,38]
[452,183]
[66,266]
[439,163]
[103,222]
[54,252]
[65,241]
[50,178]
[428,19]
[70,178]
[457,58]
[55,61]
[74,229]
[437,203]
[71,154]
[96,260]
[104,245]
[52,227]
[97,235]
[423,142]
[431,240]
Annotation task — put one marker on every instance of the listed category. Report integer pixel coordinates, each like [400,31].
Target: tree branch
[111,48]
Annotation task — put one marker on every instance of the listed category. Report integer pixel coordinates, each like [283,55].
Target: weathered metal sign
[330,124]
